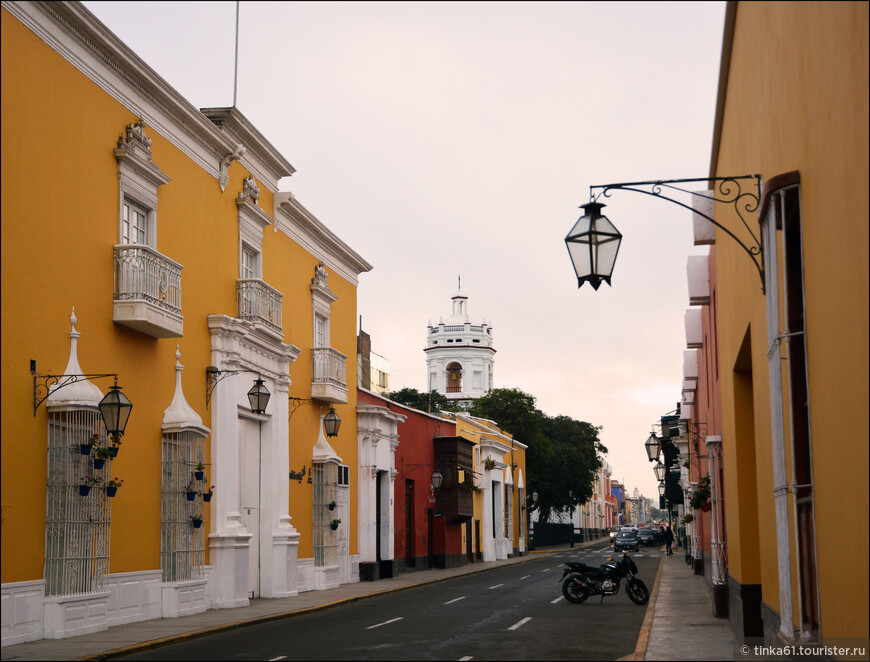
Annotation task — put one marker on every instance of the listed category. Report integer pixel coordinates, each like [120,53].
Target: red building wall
[415,522]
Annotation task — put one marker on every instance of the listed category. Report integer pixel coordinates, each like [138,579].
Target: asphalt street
[514,612]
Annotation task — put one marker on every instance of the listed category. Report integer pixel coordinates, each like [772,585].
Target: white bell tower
[459,354]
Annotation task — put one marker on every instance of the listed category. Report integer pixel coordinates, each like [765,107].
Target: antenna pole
[236,75]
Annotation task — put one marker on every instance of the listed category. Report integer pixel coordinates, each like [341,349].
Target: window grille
[182,546]
[325,538]
[509,512]
[76,527]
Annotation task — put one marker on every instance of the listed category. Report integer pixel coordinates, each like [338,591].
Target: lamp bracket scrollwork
[213,375]
[45,384]
[727,190]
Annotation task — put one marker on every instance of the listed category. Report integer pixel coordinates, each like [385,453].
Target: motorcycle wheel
[637,591]
[573,591]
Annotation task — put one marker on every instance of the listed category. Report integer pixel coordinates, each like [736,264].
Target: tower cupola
[459,354]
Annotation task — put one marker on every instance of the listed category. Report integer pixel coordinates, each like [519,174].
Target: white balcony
[147,291]
[259,303]
[328,375]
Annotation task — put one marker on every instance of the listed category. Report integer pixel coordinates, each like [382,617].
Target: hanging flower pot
[206,496]
[85,449]
[113,485]
[332,505]
[191,495]
[199,472]
[113,451]
[84,490]
[196,520]
[99,462]
[334,524]
[706,507]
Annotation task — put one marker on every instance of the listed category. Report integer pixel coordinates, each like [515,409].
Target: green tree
[563,453]
[422,401]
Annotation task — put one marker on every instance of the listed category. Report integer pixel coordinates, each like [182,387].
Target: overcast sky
[441,140]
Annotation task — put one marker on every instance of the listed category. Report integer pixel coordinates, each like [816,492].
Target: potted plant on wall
[199,472]
[191,492]
[85,447]
[701,495]
[334,524]
[87,483]
[688,518]
[489,464]
[113,485]
[332,505]
[116,444]
[206,496]
[101,454]
[196,520]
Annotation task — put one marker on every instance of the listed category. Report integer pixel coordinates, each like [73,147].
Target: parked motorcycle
[579,581]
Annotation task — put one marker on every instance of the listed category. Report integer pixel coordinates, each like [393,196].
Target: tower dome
[459,354]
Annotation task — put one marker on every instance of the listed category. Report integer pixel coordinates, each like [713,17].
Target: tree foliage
[563,453]
[422,401]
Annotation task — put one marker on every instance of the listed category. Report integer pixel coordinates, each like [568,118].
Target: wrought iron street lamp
[259,396]
[593,243]
[653,447]
[436,479]
[331,422]
[659,470]
[115,409]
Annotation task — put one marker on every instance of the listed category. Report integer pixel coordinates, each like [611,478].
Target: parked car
[647,537]
[626,540]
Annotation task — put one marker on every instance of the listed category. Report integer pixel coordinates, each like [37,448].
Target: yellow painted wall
[797,100]
[59,224]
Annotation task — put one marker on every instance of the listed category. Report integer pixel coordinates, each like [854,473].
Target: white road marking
[450,602]
[496,586]
[520,623]
[552,602]
[546,570]
[280,657]
[466,658]
[392,620]
[526,577]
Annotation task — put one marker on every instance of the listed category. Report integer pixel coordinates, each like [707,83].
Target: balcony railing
[141,273]
[328,374]
[147,291]
[259,303]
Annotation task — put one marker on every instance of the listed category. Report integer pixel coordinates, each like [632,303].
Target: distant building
[459,355]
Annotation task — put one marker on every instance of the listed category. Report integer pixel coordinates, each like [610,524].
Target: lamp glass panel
[115,409]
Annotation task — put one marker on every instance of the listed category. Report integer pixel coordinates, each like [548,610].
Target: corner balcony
[260,303]
[147,292]
[328,375]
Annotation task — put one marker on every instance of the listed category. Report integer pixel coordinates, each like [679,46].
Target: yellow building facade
[158,251]
[499,527]
[793,359]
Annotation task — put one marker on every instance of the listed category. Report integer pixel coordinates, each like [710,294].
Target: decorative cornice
[306,230]
[89,46]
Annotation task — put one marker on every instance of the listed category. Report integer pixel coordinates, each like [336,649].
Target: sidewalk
[679,624]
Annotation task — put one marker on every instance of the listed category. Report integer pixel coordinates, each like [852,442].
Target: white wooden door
[249,496]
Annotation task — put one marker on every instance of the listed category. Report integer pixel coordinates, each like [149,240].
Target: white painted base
[305,575]
[326,577]
[135,596]
[184,598]
[22,611]
[72,616]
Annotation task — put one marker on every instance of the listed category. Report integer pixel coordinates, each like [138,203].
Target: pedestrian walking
[669,540]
